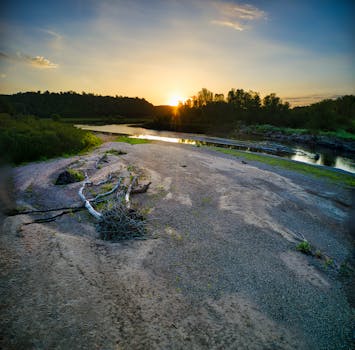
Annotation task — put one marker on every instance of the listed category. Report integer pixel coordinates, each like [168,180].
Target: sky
[165,50]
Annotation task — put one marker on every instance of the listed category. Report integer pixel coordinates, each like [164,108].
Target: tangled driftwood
[118,220]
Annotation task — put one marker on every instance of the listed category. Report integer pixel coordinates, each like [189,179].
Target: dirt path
[219,269]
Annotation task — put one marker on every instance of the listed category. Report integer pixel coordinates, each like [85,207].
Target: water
[317,155]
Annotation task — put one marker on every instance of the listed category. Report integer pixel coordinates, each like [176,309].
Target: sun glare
[175,99]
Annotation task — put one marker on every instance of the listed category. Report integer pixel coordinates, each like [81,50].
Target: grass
[304,247]
[78,175]
[131,141]
[115,152]
[27,138]
[340,134]
[294,166]
[289,131]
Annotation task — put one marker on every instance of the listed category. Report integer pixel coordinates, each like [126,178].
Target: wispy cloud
[237,16]
[52,33]
[37,61]
[234,25]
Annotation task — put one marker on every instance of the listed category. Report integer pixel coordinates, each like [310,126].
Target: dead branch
[119,223]
[115,188]
[102,159]
[53,218]
[127,197]
[87,204]
[109,177]
[35,211]
[141,189]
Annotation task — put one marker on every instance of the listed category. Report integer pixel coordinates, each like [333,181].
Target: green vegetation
[304,247]
[329,262]
[76,174]
[131,141]
[115,152]
[27,138]
[205,112]
[266,128]
[215,113]
[77,106]
[345,269]
[294,166]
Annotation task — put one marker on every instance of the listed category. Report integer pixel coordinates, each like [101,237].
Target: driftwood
[118,222]
[87,204]
[127,197]
[115,188]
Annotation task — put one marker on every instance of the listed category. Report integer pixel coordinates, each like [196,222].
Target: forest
[205,112]
[73,105]
[210,112]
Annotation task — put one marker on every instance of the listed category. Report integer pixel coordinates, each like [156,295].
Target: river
[317,155]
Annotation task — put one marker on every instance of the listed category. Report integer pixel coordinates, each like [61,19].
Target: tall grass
[27,138]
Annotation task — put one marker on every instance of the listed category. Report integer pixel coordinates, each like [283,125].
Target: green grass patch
[264,128]
[27,138]
[77,175]
[304,247]
[272,128]
[131,141]
[294,166]
[340,134]
[115,152]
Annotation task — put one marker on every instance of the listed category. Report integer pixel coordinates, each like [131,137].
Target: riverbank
[219,267]
[341,141]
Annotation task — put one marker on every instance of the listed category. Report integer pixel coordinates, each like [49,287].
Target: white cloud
[237,16]
[52,33]
[234,25]
[40,62]
[37,61]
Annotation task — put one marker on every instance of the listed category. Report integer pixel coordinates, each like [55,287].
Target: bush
[27,138]
[304,247]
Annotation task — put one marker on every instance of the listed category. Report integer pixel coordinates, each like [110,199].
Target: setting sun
[175,99]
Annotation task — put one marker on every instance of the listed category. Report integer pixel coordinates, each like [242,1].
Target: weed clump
[115,152]
[69,176]
[304,247]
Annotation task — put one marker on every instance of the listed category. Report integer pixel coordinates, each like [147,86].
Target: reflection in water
[302,154]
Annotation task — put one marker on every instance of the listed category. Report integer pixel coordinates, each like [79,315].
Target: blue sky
[161,50]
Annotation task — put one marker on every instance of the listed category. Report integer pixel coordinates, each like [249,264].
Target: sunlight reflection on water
[302,154]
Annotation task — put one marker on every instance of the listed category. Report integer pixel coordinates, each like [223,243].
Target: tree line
[204,112]
[73,105]
[208,111]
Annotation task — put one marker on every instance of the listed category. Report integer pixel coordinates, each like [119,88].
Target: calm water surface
[317,155]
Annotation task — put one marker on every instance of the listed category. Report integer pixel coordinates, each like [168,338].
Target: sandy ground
[219,268]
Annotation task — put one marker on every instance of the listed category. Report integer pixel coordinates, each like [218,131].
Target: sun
[175,99]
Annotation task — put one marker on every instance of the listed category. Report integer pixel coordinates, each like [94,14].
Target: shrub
[27,138]
[304,247]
